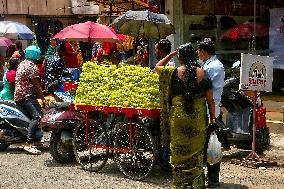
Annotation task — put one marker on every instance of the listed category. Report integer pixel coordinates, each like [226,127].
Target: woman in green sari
[183,116]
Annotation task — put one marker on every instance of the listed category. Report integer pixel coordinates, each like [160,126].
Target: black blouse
[178,85]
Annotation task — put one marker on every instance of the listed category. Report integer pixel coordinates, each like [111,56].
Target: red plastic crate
[69,85]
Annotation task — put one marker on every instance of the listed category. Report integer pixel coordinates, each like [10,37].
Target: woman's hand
[173,53]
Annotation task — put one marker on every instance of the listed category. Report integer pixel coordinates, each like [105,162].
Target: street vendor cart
[117,133]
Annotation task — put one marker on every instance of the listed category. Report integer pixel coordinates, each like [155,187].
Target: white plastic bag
[214,151]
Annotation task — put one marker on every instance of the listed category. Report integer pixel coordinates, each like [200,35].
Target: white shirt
[214,71]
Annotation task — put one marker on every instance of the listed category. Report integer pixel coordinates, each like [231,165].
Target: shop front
[231,25]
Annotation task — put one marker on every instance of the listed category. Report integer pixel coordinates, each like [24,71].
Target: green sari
[184,132]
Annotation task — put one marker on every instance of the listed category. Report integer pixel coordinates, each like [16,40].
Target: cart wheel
[139,161]
[88,156]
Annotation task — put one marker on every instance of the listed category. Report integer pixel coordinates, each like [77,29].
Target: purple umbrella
[5,42]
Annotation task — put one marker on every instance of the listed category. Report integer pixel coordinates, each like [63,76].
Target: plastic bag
[214,151]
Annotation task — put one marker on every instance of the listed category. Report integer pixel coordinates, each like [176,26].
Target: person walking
[27,91]
[214,71]
[183,115]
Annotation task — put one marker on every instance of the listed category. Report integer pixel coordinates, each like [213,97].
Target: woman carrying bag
[183,115]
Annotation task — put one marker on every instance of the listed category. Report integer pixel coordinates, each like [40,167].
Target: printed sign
[256,72]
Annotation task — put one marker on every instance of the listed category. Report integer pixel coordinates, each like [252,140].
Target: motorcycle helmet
[32,52]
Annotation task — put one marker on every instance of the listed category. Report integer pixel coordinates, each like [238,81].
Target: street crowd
[190,99]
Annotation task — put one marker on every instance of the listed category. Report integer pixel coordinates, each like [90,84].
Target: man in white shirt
[214,70]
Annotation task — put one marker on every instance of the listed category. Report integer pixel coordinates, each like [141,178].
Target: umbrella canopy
[143,24]
[88,31]
[5,42]
[245,31]
[15,30]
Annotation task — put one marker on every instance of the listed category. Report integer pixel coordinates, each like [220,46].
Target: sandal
[32,149]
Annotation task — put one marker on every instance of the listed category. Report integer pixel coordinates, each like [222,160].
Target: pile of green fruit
[125,86]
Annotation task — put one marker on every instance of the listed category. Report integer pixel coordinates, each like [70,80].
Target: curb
[278,122]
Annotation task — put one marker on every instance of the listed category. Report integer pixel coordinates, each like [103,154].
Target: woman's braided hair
[186,53]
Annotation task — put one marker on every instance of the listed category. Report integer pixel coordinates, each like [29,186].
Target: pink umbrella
[120,36]
[5,42]
[245,31]
[88,31]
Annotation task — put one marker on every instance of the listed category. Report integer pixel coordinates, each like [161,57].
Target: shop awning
[123,5]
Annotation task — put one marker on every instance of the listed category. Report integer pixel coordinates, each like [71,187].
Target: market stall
[116,101]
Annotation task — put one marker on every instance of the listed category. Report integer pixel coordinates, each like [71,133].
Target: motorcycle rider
[27,91]
[214,71]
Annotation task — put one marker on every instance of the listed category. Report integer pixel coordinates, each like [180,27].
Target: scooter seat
[60,105]
[13,104]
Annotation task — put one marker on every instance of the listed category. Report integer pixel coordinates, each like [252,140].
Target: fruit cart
[117,133]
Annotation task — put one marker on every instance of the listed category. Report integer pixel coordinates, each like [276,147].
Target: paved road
[22,171]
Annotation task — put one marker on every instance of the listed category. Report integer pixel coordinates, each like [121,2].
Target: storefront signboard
[84,7]
[256,72]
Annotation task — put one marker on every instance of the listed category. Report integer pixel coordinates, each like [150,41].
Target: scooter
[14,124]
[59,122]
[235,127]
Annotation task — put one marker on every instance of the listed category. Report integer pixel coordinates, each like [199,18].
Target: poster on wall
[276,37]
[256,72]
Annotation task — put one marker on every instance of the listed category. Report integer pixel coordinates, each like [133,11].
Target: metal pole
[254,25]
[254,124]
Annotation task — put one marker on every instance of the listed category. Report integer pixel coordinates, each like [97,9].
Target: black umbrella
[143,24]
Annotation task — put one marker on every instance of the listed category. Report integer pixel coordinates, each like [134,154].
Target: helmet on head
[32,52]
